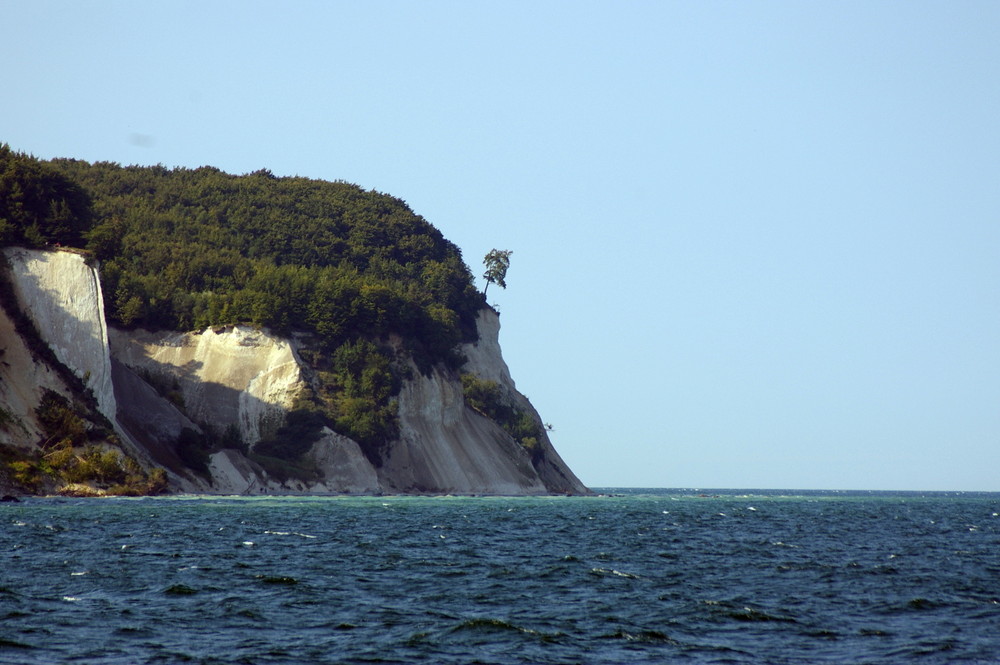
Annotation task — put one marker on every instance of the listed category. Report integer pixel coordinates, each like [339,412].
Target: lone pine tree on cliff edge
[497,261]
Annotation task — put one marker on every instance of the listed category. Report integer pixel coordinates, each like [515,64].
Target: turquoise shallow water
[644,576]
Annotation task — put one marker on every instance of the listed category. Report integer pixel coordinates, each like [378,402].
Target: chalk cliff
[62,295]
[236,376]
[239,383]
[23,378]
[446,446]
[56,381]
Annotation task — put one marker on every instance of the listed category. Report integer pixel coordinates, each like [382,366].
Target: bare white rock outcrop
[233,377]
[22,381]
[344,467]
[445,446]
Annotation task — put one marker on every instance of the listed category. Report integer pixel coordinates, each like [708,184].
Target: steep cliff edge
[485,360]
[62,295]
[198,403]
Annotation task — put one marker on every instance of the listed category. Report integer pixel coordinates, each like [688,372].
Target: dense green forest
[184,249]
[38,205]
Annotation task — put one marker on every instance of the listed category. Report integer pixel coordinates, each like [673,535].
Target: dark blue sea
[640,576]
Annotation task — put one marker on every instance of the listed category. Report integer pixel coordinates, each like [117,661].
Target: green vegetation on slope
[488,398]
[77,453]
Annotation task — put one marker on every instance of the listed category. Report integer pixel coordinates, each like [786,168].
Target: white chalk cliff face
[446,447]
[23,378]
[234,377]
[155,385]
[62,295]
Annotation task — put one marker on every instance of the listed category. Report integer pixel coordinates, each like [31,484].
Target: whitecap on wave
[613,572]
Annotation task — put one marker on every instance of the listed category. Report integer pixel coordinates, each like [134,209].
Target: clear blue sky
[756,244]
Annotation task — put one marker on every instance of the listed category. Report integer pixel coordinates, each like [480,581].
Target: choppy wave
[639,577]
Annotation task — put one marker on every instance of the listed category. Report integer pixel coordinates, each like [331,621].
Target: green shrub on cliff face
[105,469]
[488,398]
[353,392]
[356,386]
[61,422]
[102,470]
